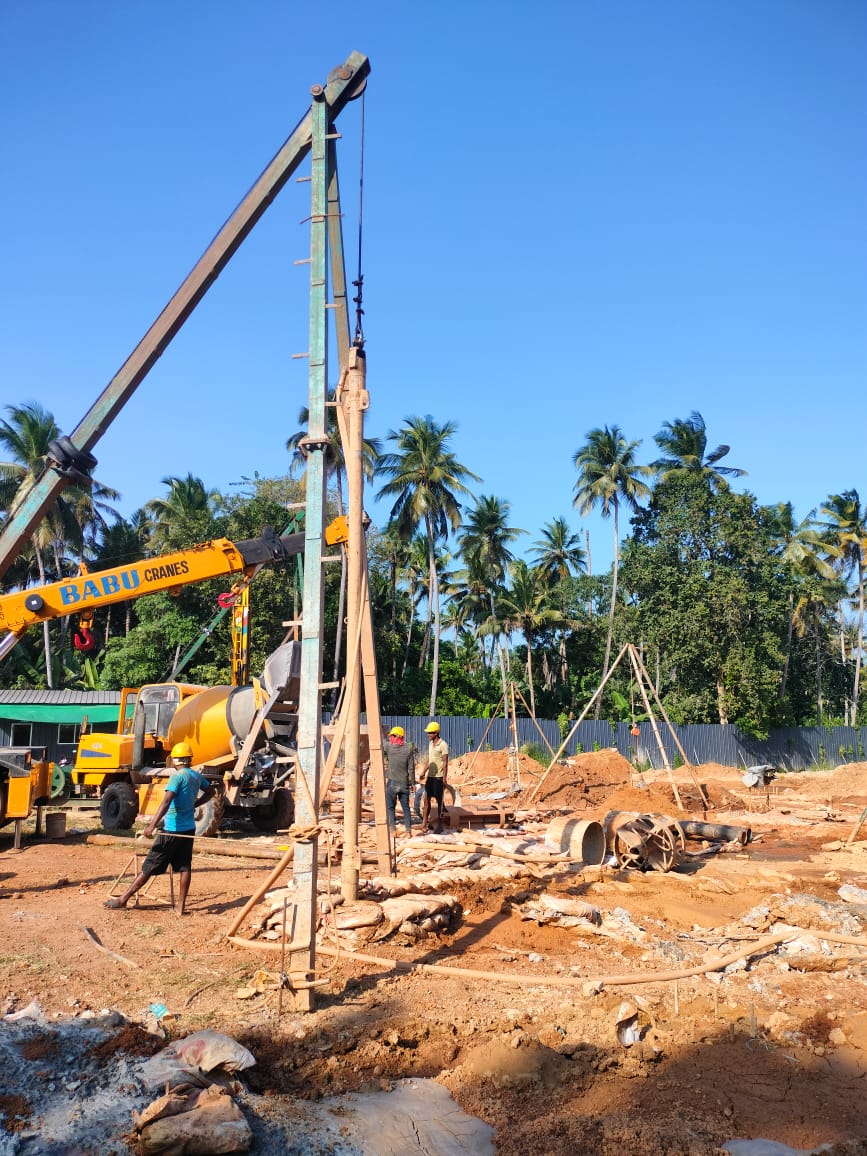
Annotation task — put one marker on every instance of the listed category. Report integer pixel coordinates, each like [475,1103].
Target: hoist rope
[358,339]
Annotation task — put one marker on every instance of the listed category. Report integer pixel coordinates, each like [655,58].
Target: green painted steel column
[310,708]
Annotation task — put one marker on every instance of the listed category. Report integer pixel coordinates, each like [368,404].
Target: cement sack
[193,1059]
[210,1125]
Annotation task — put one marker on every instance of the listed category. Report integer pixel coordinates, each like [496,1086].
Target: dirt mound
[655,799]
[582,781]
[847,780]
[485,768]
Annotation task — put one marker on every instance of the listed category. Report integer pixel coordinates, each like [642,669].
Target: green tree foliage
[57,543]
[710,594]
[845,531]
[684,451]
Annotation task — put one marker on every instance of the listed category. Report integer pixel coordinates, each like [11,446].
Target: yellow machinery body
[213,721]
[25,782]
[102,758]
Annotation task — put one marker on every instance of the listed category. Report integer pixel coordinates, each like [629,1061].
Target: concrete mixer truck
[129,770]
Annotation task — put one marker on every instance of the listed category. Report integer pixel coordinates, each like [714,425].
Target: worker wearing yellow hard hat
[174,847]
[399,777]
[434,776]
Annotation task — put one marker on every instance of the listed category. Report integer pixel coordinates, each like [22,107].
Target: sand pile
[481,770]
[583,781]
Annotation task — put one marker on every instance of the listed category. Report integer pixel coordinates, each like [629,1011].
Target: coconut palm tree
[425,481]
[608,475]
[184,516]
[484,541]
[25,437]
[119,544]
[470,607]
[684,446]
[335,462]
[525,606]
[845,529]
[558,553]
[805,554]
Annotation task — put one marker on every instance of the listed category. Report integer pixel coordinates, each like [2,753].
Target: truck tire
[118,807]
[278,815]
[209,816]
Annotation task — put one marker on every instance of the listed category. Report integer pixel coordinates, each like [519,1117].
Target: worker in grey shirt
[399,777]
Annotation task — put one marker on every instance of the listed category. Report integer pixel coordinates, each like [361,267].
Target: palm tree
[25,437]
[335,462]
[558,553]
[426,478]
[184,516]
[608,475]
[845,529]
[801,550]
[470,607]
[119,544]
[485,540]
[684,446]
[526,606]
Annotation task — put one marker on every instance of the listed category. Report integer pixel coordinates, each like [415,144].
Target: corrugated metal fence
[793,748]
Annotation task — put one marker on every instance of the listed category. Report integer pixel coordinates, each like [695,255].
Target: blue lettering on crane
[98,587]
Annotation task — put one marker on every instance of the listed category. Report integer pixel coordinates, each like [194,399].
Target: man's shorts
[170,851]
[434,789]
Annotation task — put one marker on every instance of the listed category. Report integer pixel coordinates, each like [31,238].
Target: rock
[851,894]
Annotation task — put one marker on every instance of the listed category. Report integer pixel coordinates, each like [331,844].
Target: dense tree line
[742,615]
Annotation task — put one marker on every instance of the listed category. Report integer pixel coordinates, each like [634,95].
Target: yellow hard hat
[182,751]
[398,732]
[432,728]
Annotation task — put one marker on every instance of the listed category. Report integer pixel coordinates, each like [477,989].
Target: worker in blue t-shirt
[174,849]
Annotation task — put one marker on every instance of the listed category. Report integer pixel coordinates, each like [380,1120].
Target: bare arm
[150,829]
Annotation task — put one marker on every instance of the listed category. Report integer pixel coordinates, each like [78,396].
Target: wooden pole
[671,729]
[542,734]
[353,402]
[500,706]
[634,660]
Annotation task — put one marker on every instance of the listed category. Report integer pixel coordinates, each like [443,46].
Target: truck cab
[110,766]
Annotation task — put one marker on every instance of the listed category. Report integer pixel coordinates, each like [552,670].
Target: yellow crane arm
[87,592]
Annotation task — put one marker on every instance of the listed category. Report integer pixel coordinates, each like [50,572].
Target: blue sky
[575,214]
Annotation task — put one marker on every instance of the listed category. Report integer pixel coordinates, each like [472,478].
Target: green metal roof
[57,712]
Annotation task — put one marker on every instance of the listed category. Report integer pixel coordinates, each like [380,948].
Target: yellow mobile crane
[214,720]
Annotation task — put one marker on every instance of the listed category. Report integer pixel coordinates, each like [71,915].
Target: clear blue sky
[575,214]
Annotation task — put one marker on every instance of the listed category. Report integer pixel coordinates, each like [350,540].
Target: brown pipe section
[726,834]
